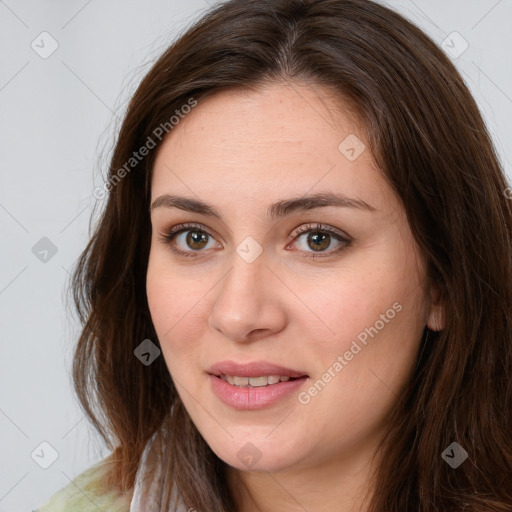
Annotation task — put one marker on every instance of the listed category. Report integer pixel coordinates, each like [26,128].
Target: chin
[257,456]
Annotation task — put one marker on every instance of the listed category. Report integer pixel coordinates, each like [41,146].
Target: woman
[299,295]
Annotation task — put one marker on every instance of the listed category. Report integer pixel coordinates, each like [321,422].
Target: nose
[246,306]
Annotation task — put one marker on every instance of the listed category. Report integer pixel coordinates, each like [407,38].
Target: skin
[241,151]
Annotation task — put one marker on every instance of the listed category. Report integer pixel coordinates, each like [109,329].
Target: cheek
[175,308]
[334,309]
[361,368]
[166,307]
[371,313]
[161,303]
[168,292]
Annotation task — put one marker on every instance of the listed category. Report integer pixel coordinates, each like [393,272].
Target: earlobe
[435,319]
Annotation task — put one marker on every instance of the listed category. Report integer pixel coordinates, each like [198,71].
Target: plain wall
[57,116]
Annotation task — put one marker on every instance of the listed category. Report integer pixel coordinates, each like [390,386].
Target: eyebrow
[275,211]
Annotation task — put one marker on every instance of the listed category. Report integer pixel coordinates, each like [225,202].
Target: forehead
[283,137]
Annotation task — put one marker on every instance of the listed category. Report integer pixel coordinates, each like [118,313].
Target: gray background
[58,117]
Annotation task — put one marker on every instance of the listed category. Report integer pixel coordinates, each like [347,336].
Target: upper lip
[252,369]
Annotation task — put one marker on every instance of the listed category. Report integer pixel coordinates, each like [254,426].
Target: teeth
[255,382]
[258,381]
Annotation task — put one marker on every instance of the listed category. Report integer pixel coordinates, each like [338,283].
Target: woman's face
[244,297]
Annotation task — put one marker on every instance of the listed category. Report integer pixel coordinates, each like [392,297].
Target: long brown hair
[429,139]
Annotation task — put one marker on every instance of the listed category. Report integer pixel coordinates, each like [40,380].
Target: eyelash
[168,237]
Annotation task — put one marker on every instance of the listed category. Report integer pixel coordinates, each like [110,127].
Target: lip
[253,369]
[243,398]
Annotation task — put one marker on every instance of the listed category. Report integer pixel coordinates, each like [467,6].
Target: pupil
[192,239]
[314,237]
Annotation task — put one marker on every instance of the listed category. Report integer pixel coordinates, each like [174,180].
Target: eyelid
[187,226]
[316,226]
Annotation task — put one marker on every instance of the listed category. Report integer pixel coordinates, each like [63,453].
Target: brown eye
[318,241]
[189,240]
[196,240]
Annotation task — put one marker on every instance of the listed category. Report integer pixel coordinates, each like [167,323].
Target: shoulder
[86,493]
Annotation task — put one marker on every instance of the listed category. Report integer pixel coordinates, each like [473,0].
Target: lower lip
[254,398]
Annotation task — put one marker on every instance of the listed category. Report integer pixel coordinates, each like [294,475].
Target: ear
[435,316]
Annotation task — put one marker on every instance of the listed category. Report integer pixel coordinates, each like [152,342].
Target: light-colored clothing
[87,492]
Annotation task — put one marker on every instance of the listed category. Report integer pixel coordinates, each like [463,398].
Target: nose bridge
[239,292]
[243,301]
[248,266]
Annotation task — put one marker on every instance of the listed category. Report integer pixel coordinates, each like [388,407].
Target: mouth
[255,373]
[256,382]
[256,385]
